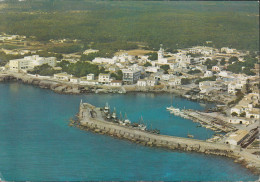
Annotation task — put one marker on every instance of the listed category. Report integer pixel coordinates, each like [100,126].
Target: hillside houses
[248,107]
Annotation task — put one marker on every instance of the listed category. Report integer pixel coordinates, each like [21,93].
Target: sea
[36,143]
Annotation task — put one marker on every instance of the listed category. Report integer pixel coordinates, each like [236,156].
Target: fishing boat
[127,121]
[141,126]
[106,108]
[114,114]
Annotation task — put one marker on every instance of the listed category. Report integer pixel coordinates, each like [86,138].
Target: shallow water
[36,142]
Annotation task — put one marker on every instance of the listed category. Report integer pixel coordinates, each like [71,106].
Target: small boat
[106,108]
[114,113]
[127,121]
[142,127]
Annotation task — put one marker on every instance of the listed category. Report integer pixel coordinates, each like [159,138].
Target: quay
[207,121]
[90,118]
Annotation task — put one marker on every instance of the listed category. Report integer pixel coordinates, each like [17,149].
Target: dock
[206,121]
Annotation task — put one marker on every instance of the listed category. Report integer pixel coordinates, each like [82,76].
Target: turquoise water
[36,142]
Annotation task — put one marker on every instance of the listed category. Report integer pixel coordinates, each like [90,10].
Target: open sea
[37,144]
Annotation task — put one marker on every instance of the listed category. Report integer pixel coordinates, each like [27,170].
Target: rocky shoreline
[63,87]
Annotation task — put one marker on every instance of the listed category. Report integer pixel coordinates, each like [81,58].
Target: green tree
[147,64]
[165,68]
[192,72]
[243,114]
[234,114]
[223,61]
[153,56]
[209,63]
[232,59]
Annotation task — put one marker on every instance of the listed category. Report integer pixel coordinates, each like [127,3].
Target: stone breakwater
[89,120]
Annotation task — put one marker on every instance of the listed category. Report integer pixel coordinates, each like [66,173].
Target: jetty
[91,118]
[204,119]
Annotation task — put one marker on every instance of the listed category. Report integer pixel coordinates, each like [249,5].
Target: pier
[205,120]
[90,118]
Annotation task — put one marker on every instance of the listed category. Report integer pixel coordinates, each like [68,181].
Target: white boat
[141,127]
[114,113]
[170,108]
[106,108]
[127,121]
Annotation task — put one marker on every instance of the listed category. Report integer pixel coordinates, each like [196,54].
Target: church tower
[160,53]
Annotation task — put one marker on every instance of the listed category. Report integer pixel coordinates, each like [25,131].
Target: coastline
[64,87]
[67,88]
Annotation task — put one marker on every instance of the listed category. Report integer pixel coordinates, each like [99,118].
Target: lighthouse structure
[161,59]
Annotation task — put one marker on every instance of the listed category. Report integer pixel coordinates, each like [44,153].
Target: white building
[152,69]
[236,85]
[208,74]
[237,137]
[85,81]
[104,60]
[161,59]
[116,83]
[202,50]
[183,60]
[104,78]
[141,83]
[147,82]
[174,81]
[62,76]
[29,62]
[228,50]
[74,80]
[90,76]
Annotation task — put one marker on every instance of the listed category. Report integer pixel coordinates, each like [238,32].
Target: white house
[142,83]
[239,120]
[62,76]
[90,76]
[147,82]
[74,80]
[228,50]
[152,69]
[85,81]
[253,113]
[208,74]
[104,78]
[104,60]
[151,82]
[116,83]
[174,81]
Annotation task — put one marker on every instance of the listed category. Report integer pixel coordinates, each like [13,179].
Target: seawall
[89,122]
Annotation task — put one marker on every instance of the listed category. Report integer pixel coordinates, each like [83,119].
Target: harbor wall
[151,139]
[93,123]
